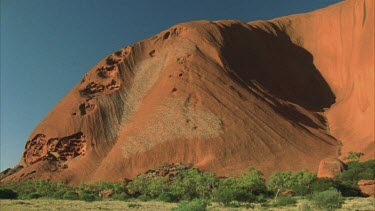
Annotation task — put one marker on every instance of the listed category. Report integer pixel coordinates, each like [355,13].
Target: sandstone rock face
[224,95]
[339,38]
[330,167]
[367,187]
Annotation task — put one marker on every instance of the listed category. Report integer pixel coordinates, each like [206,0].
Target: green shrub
[252,181]
[167,197]
[134,205]
[7,194]
[33,196]
[242,189]
[59,194]
[305,207]
[156,186]
[194,205]
[116,187]
[70,195]
[300,182]
[347,181]
[226,195]
[87,196]
[327,200]
[191,183]
[347,190]
[44,188]
[120,196]
[144,198]
[138,185]
[261,198]
[149,186]
[323,184]
[354,156]
[285,201]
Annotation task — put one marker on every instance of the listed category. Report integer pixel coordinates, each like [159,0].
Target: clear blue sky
[48,45]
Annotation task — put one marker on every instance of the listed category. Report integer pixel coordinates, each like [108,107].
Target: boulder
[330,167]
[105,193]
[367,187]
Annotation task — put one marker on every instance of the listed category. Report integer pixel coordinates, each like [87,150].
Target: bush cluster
[327,200]
[194,189]
[194,205]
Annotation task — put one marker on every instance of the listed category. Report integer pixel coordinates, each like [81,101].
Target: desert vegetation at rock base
[193,189]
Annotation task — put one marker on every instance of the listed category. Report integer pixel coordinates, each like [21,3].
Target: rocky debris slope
[169,171]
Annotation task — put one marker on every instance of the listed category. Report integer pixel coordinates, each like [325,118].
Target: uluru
[280,94]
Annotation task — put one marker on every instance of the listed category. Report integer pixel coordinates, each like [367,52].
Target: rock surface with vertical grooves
[281,94]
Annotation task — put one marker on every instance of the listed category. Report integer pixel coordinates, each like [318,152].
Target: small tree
[252,181]
[149,186]
[354,156]
[138,185]
[192,184]
[279,182]
[156,186]
[229,190]
[301,182]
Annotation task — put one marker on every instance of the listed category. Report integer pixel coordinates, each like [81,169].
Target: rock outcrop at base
[223,95]
[330,167]
[367,187]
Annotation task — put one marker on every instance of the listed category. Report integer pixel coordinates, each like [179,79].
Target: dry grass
[41,204]
[359,204]
[44,204]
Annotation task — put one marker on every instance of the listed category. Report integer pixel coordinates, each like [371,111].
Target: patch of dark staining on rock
[119,53]
[152,53]
[174,89]
[166,35]
[237,92]
[92,88]
[86,107]
[183,59]
[113,85]
[56,150]
[30,173]
[106,71]
[112,60]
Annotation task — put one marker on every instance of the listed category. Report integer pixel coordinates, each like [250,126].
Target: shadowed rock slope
[278,95]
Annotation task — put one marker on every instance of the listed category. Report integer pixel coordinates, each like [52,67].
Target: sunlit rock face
[224,95]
